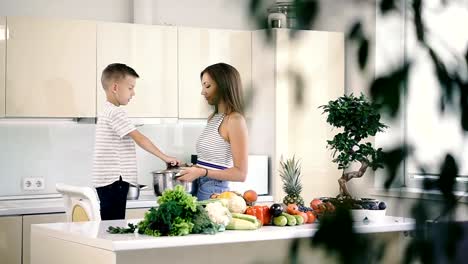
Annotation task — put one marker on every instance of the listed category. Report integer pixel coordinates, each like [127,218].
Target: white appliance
[257,176]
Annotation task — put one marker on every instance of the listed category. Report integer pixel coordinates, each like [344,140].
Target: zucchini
[247,217]
[299,219]
[291,219]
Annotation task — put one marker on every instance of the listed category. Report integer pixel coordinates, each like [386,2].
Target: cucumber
[280,220]
[299,219]
[241,224]
[291,219]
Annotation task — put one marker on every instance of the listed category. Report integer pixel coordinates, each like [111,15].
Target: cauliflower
[237,205]
[218,213]
[223,201]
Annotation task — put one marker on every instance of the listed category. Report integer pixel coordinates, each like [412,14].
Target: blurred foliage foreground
[433,240]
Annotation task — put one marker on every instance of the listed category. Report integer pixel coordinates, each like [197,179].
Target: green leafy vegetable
[173,217]
[122,230]
[179,196]
[202,222]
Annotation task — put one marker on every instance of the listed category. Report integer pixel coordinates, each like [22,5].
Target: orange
[292,208]
[250,196]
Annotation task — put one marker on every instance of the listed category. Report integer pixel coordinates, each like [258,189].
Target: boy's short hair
[114,72]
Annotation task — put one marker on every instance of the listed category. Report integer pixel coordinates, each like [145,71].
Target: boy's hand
[172,161]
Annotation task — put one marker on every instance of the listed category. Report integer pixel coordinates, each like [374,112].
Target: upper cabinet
[51,68]
[294,75]
[3,36]
[152,52]
[199,48]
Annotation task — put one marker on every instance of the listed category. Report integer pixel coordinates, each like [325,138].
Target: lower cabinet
[15,233]
[10,239]
[28,220]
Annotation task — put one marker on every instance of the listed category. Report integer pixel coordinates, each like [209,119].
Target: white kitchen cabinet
[51,68]
[10,239]
[3,36]
[152,52]
[317,59]
[199,48]
[28,220]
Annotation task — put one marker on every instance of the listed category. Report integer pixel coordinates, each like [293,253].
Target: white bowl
[372,215]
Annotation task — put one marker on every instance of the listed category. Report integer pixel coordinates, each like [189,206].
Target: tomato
[310,217]
[304,216]
[314,203]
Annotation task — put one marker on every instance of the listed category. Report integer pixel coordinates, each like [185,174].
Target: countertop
[94,234]
[56,205]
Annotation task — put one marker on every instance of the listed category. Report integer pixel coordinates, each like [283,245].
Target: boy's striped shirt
[114,150]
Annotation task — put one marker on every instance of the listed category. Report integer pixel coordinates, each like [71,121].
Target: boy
[114,164]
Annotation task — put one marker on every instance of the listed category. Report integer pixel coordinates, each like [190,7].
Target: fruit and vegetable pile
[179,213]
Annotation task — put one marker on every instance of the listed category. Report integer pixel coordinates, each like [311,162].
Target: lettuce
[173,217]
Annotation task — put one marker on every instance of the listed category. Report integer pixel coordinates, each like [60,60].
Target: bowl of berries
[367,209]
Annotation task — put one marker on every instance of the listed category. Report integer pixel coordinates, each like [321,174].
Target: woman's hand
[191,173]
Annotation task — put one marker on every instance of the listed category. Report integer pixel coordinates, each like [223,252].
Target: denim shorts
[205,187]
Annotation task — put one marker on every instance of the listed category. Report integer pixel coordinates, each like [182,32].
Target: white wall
[103,10]
[227,14]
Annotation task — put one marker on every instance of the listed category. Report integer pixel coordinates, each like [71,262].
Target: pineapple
[290,175]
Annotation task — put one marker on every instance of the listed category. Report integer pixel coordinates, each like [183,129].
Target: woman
[222,147]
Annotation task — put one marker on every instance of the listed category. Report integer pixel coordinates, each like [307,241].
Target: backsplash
[62,151]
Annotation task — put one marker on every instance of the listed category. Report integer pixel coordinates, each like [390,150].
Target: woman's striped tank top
[213,151]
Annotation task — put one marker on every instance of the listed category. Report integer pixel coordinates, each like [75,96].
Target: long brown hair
[229,85]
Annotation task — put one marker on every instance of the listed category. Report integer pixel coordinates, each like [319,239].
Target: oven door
[257,176]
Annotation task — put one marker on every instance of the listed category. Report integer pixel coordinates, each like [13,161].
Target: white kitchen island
[89,242]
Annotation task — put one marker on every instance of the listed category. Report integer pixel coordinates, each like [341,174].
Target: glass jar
[282,15]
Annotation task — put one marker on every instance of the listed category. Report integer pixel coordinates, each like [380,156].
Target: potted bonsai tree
[359,119]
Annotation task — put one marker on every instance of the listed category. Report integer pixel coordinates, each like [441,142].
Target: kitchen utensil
[134,191]
[167,180]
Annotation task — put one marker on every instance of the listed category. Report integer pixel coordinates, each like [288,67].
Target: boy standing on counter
[114,166]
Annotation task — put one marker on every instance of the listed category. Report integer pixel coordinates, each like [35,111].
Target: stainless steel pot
[167,180]
[134,191]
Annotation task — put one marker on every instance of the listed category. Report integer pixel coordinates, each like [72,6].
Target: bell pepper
[253,210]
[266,215]
[262,213]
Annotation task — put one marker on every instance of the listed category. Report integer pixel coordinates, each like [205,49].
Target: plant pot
[360,215]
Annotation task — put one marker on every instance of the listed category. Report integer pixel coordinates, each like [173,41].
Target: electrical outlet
[33,183]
